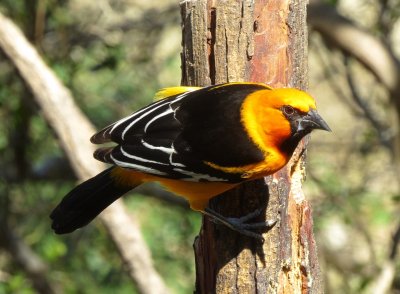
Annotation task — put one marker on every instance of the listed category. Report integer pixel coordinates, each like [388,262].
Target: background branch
[360,44]
[73,131]
[376,55]
[23,255]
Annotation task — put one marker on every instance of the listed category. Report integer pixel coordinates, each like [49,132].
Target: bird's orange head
[277,119]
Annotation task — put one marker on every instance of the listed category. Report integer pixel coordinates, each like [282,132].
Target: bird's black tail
[86,201]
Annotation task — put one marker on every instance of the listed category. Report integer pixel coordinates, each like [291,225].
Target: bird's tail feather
[86,201]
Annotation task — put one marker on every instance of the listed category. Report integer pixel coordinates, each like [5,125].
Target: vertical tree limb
[263,41]
[74,130]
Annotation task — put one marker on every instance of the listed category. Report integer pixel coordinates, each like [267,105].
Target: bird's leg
[239,224]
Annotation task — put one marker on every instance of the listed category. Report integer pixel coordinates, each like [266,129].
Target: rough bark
[74,130]
[266,42]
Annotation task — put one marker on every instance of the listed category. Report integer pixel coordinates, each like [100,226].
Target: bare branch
[381,129]
[28,260]
[384,280]
[368,49]
[23,255]
[73,130]
[395,243]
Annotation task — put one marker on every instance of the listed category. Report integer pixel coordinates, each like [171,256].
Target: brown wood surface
[262,41]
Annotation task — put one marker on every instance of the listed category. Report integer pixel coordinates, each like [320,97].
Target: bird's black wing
[176,136]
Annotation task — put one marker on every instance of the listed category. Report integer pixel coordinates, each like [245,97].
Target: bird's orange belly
[197,193]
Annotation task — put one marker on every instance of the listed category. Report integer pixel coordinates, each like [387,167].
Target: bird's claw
[240,224]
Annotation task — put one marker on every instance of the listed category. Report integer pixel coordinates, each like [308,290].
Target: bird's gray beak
[312,120]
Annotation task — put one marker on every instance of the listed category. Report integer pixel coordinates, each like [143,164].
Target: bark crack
[211,43]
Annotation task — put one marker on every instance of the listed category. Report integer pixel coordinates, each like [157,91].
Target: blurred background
[113,55]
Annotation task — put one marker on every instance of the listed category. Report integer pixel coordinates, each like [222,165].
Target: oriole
[198,143]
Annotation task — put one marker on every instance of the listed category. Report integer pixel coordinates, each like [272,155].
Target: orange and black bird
[196,142]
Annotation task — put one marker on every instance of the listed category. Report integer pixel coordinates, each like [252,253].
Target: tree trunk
[258,41]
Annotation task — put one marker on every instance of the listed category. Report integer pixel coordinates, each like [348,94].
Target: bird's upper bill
[312,120]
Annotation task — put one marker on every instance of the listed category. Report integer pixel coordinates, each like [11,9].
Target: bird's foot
[240,224]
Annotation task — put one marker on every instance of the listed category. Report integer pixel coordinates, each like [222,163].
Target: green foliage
[108,82]
[16,284]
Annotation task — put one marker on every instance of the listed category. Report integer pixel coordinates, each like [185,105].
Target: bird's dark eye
[288,110]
